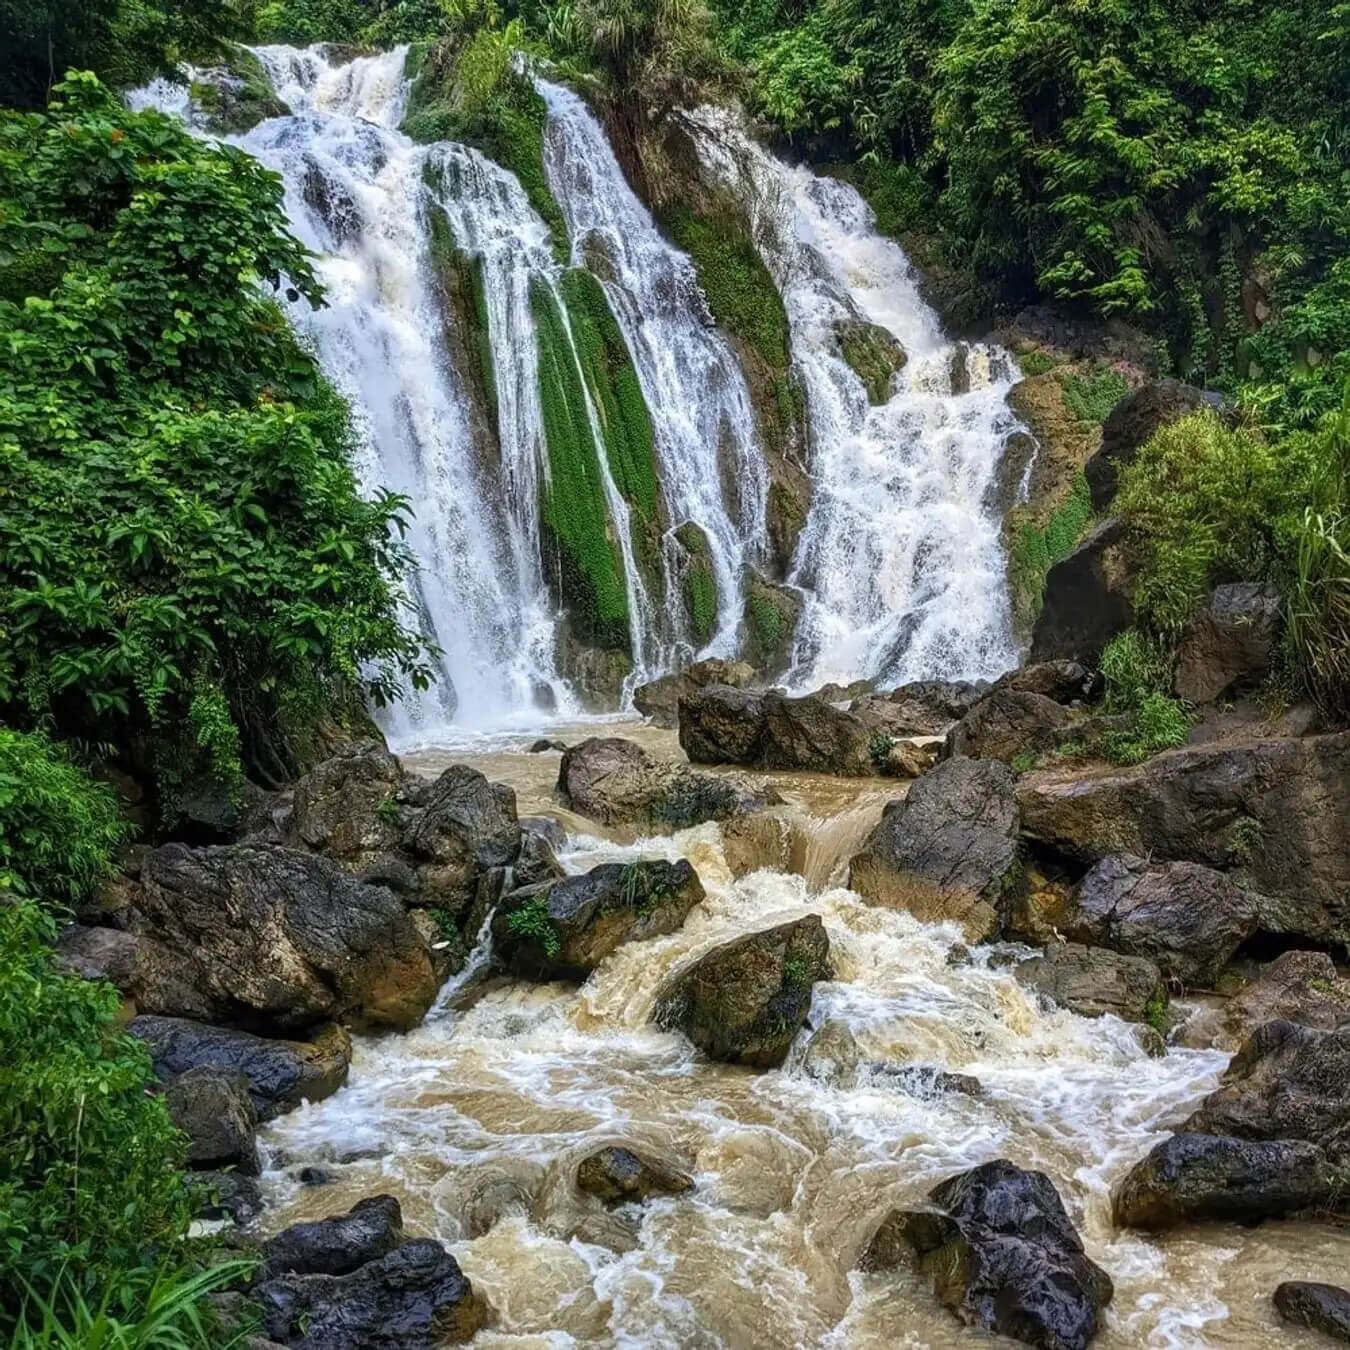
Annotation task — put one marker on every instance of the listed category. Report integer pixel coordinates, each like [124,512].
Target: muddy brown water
[477,1121]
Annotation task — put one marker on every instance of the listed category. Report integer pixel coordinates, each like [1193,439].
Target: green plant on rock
[879,751]
[532,923]
[768,626]
[1036,550]
[1091,397]
[796,973]
[1137,674]
[1156,1014]
[59,830]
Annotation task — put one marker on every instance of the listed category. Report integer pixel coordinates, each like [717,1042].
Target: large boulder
[278,940]
[1231,642]
[745,1001]
[1287,1082]
[280,1074]
[1196,1176]
[1065,682]
[1272,808]
[562,930]
[1007,723]
[949,850]
[337,1245]
[214,1109]
[1300,987]
[614,780]
[147,973]
[1321,1307]
[347,806]
[721,725]
[1087,599]
[1188,919]
[925,707]
[1094,982]
[412,1298]
[619,1176]
[659,701]
[1003,1256]
[1131,422]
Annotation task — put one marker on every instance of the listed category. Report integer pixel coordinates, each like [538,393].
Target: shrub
[181,534]
[58,828]
[1206,505]
[1137,674]
[90,1185]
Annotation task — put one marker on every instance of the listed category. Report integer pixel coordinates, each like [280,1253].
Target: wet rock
[1273,808]
[412,1298]
[1007,723]
[562,930]
[277,940]
[873,354]
[1188,919]
[1230,643]
[1287,1082]
[1131,422]
[1300,987]
[1087,599]
[337,1245]
[619,1176]
[315,1176]
[1320,1307]
[226,1195]
[721,725]
[1063,681]
[910,759]
[1194,1176]
[771,614]
[1003,1256]
[216,1112]
[928,707]
[143,971]
[540,838]
[543,747]
[773,840]
[745,1001]
[925,1081]
[614,780]
[832,1054]
[659,701]
[467,828]
[280,1074]
[347,807]
[1094,982]
[949,850]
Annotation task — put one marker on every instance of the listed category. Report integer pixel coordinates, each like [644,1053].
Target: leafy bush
[59,829]
[1137,675]
[180,533]
[89,1179]
[1207,504]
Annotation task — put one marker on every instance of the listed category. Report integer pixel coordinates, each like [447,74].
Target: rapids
[477,1120]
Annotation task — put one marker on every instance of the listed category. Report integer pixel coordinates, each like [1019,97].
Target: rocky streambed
[562,1039]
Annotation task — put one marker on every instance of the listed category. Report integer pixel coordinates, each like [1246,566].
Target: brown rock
[1087,599]
[1230,643]
[620,1176]
[1094,982]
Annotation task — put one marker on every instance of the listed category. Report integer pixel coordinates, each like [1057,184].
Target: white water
[704,424]
[478,1120]
[901,557]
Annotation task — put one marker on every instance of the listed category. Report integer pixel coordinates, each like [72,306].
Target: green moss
[796,973]
[579,548]
[532,923]
[873,355]
[1023,762]
[248,100]
[1035,551]
[1155,1011]
[740,291]
[615,391]
[768,625]
[700,598]
[1091,397]
[1037,363]
[507,125]
[460,274]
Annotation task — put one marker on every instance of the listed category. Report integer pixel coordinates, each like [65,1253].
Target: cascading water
[900,561]
[703,420]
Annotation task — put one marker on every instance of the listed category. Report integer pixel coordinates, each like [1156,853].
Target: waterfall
[703,419]
[901,560]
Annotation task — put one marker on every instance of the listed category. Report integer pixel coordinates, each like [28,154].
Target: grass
[1137,673]
[1091,397]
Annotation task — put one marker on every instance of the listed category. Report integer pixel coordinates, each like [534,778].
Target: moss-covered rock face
[1063,406]
[236,95]
[872,353]
[698,585]
[771,614]
[466,334]
[507,124]
[581,558]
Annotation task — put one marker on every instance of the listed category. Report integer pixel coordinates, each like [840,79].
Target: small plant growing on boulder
[531,921]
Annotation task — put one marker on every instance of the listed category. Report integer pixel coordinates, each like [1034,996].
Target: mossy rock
[698,583]
[236,95]
[872,353]
[596,675]
[771,614]
[581,558]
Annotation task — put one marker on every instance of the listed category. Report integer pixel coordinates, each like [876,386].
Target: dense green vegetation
[184,558]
